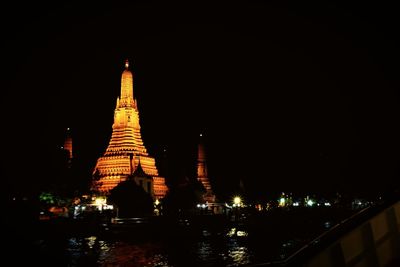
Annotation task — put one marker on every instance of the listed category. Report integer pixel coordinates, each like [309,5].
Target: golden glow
[202,174]
[126,149]
[242,233]
[68,144]
[232,232]
[237,200]
[282,202]
[157,202]
[99,201]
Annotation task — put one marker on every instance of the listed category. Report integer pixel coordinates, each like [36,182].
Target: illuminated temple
[202,173]
[126,154]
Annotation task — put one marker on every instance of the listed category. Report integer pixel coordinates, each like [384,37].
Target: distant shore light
[237,200]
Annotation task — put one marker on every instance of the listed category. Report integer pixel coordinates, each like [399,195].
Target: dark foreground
[191,241]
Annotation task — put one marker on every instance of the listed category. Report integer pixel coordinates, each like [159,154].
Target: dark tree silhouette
[183,197]
[131,200]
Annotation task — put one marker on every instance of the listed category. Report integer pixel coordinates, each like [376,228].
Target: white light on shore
[237,201]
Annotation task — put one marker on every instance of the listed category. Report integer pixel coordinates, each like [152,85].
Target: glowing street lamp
[157,208]
[282,202]
[237,201]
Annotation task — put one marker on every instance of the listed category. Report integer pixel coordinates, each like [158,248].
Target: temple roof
[139,172]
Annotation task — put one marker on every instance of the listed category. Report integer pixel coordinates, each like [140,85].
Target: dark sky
[290,97]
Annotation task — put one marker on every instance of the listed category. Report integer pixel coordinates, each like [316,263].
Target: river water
[262,240]
[231,248]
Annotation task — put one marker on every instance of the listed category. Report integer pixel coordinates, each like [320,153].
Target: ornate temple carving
[126,151]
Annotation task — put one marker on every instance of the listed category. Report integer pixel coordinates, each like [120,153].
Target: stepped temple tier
[126,154]
[202,174]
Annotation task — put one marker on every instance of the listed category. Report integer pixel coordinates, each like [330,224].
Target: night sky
[290,97]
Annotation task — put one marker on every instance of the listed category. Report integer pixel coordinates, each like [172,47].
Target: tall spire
[126,151]
[127,87]
[202,174]
[201,159]
[68,146]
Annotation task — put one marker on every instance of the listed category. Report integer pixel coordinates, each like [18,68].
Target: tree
[184,196]
[131,200]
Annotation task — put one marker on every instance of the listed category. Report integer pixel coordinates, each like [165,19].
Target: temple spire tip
[126,63]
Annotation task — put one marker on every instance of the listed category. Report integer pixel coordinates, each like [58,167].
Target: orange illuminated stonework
[68,146]
[202,174]
[126,150]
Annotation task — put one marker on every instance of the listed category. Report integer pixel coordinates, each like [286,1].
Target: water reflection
[209,249]
[233,246]
[128,254]
[261,239]
[86,251]
[235,232]
[238,255]
[231,232]
[91,241]
[241,233]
